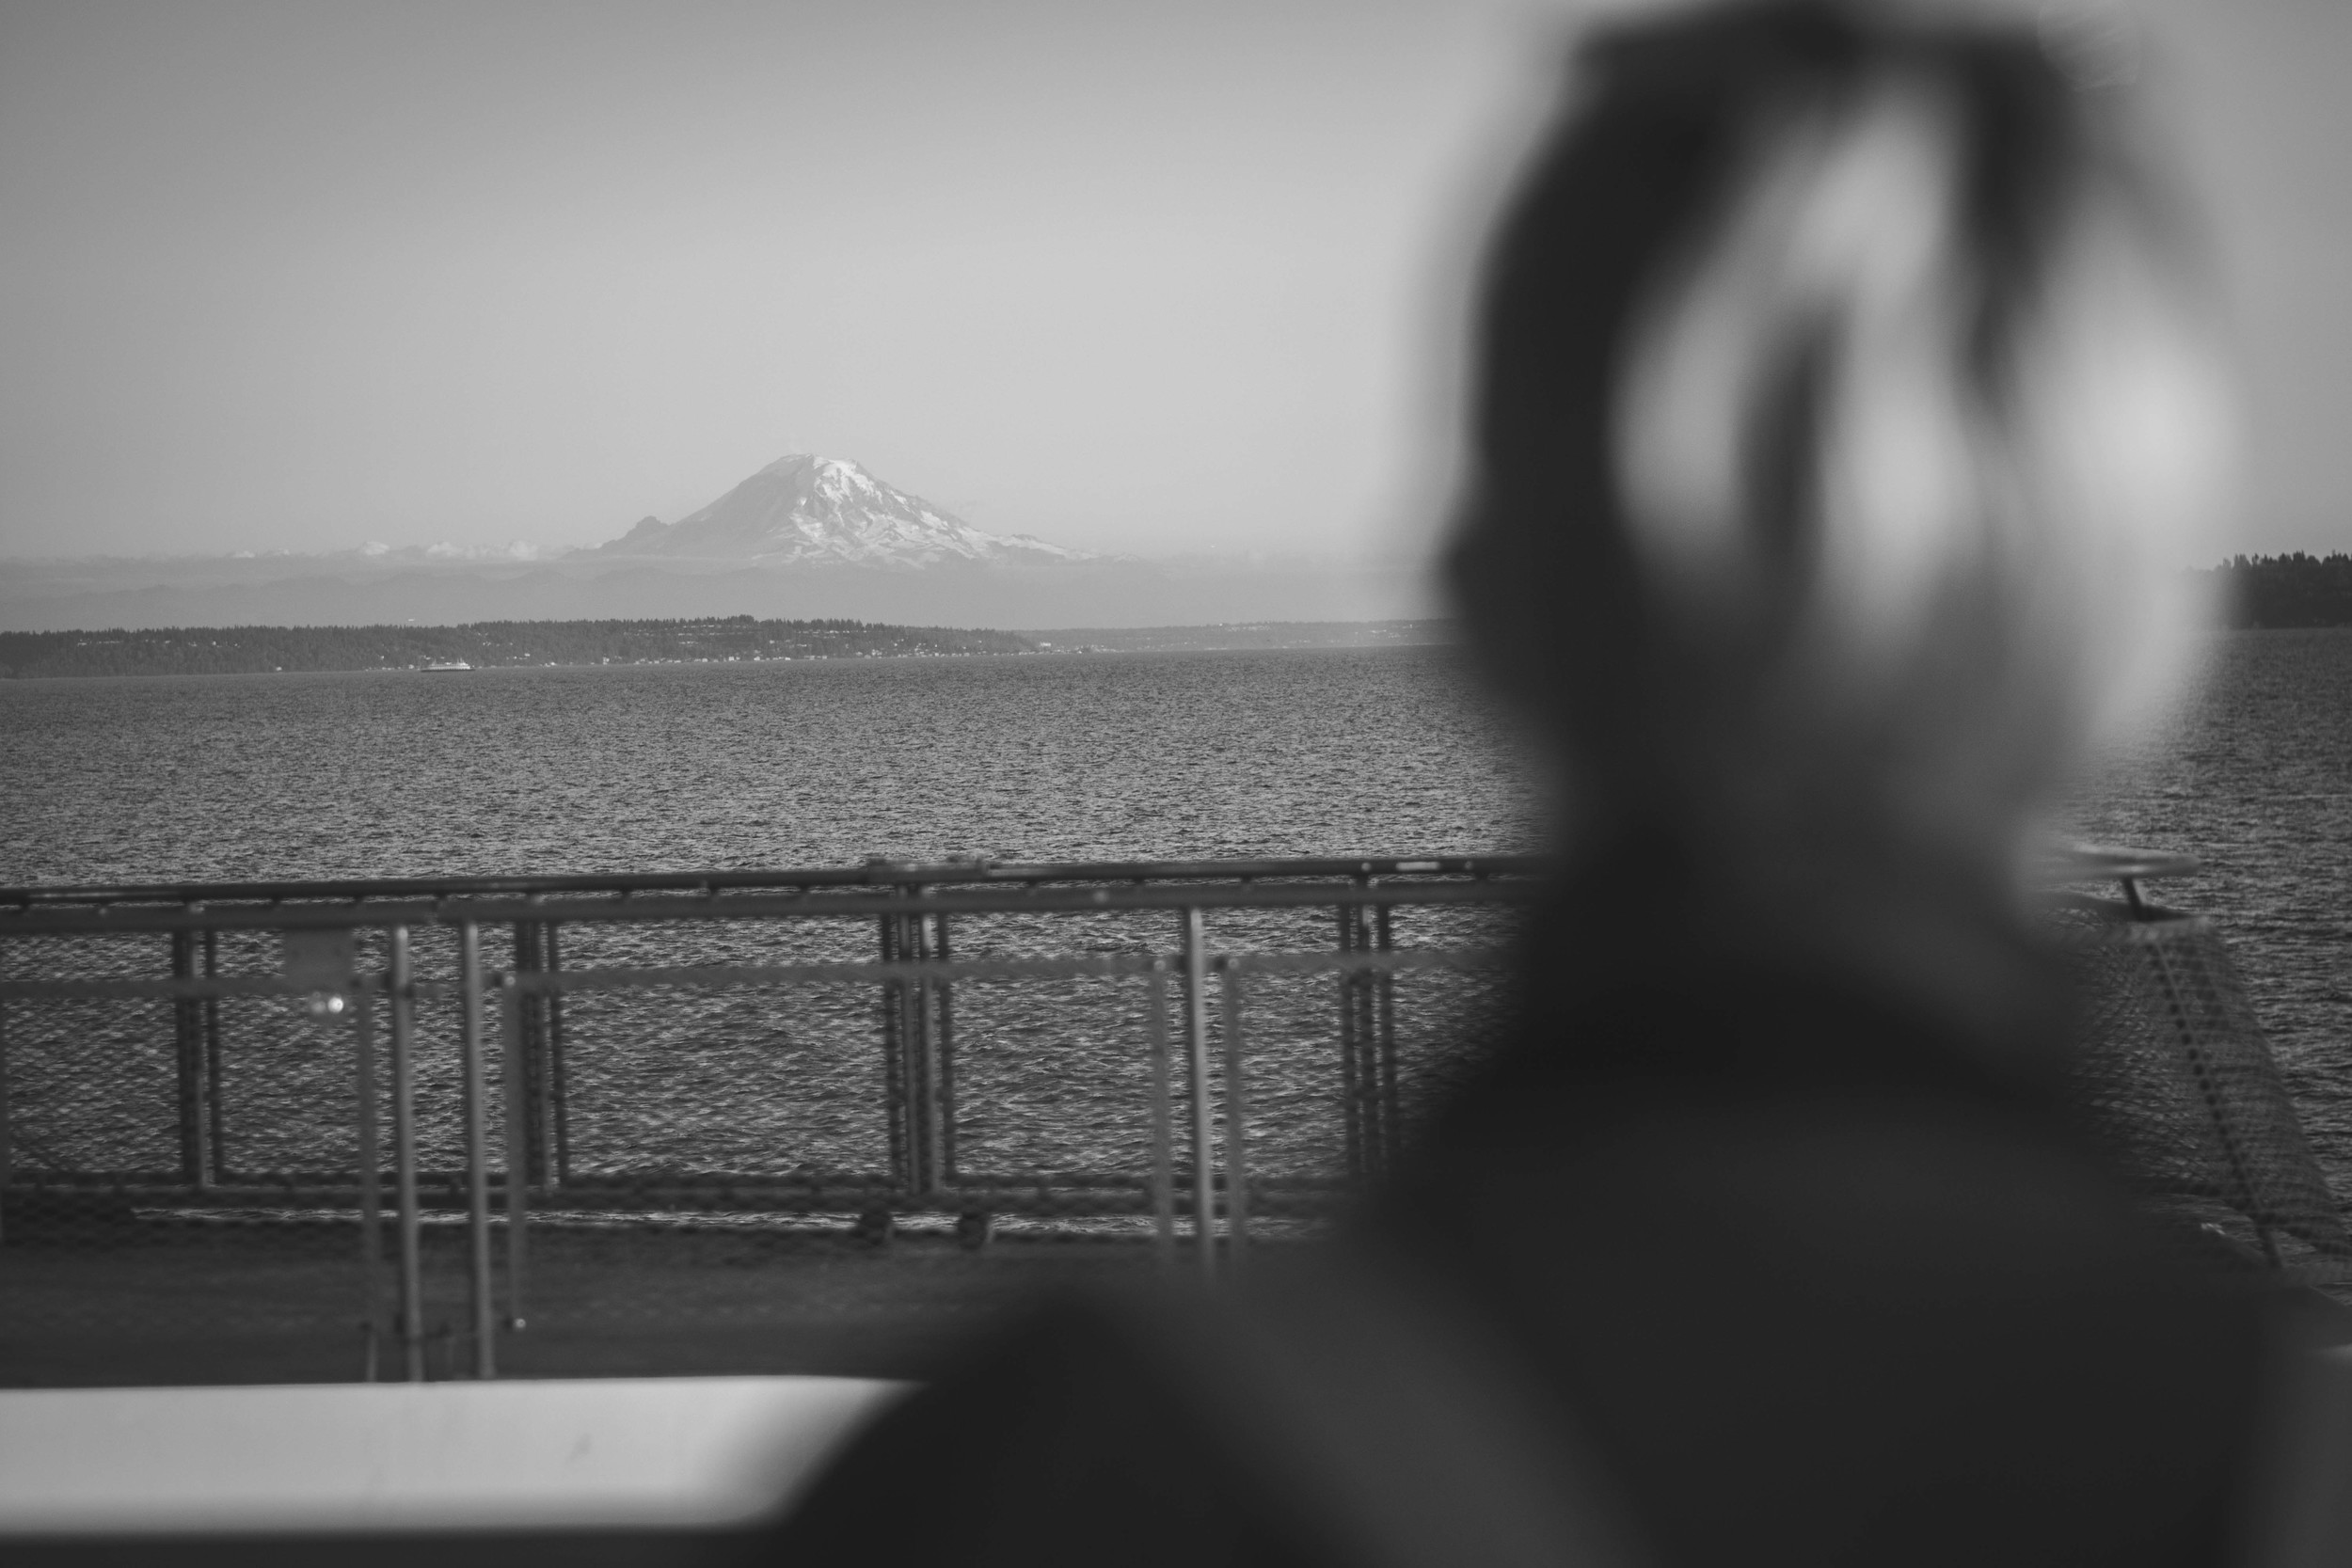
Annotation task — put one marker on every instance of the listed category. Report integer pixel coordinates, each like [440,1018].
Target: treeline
[249,650]
[2295,590]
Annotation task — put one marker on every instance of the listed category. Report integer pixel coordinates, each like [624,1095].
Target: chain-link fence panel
[702,1110]
[176,1166]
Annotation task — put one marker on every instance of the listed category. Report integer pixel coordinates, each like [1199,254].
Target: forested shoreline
[251,650]
[2282,591]
[2253,592]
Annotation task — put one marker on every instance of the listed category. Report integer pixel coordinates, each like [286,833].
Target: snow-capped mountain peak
[805,509]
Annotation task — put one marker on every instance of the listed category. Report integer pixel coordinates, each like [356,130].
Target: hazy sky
[1150,277]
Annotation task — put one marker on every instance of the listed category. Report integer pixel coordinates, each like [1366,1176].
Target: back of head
[1844,421]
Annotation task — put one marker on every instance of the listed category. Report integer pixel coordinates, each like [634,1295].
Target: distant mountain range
[805,537]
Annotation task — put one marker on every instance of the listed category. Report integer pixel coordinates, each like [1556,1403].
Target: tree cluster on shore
[246,650]
[2274,591]
[2294,590]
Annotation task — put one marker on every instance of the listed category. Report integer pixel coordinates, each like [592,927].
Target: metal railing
[346,955]
[515,1086]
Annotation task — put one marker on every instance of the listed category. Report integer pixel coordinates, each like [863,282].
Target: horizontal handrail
[720,976]
[895,889]
[917,900]
[2069,862]
[876,873]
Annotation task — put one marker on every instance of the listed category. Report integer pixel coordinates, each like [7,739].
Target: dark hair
[1666,118]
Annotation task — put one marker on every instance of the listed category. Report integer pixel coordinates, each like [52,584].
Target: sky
[1155,278]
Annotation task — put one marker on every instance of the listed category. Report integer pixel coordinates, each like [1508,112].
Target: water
[392,773]
[1136,757]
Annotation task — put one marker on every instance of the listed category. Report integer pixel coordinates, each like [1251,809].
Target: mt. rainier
[824,511]
[805,538]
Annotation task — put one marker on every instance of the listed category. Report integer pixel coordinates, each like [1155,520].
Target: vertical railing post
[515,1051]
[410,1323]
[1384,1002]
[1197,1056]
[472,1100]
[554,1117]
[216,1141]
[922,1085]
[1365,985]
[1163,1118]
[1351,1096]
[7,1146]
[527,1109]
[943,1051]
[894,1059]
[1236,1116]
[187,1018]
[370,1175]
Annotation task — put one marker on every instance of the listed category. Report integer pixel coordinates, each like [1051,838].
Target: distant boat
[452,664]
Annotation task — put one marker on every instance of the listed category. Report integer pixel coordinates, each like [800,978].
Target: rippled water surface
[394,773]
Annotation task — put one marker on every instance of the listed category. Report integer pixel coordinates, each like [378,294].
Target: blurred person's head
[1844,419]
